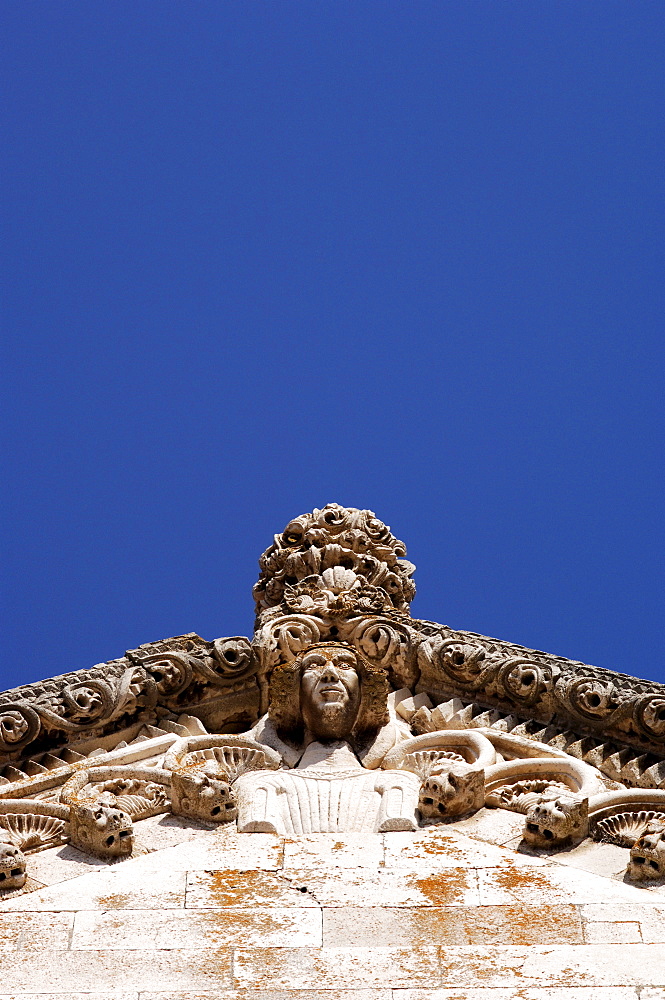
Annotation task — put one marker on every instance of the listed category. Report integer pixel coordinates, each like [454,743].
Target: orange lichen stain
[114,901]
[481,967]
[235,888]
[522,925]
[442,888]
[521,881]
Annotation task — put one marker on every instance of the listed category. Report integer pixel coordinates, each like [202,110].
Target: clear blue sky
[262,256]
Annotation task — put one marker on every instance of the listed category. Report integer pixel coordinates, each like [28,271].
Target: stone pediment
[450,721]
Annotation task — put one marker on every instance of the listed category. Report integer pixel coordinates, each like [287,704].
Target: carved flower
[376,529]
[651,714]
[461,661]
[523,680]
[594,696]
[334,518]
[13,727]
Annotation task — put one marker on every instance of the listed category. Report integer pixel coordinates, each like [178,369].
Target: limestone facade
[352,803]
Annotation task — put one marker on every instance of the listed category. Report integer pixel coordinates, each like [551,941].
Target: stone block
[217,889]
[550,884]
[621,932]
[217,849]
[510,925]
[521,993]
[70,972]
[148,930]
[440,847]
[349,850]
[115,888]
[35,930]
[351,994]
[650,917]
[334,968]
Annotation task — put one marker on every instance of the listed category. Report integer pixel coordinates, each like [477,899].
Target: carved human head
[453,792]
[201,795]
[647,855]
[556,819]
[101,828]
[331,691]
[12,867]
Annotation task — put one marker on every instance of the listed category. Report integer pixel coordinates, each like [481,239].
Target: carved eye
[548,834]
[16,872]
[532,827]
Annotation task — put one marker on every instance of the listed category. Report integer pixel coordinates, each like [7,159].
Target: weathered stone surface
[334,968]
[382,786]
[152,929]
[393,927]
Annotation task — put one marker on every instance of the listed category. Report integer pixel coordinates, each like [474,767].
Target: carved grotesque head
[201,795]
[556,819]
[12,867]
[456,791]
[331,691]
[647,855]
[101,828]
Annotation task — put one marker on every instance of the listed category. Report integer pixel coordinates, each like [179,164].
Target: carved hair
[284,698]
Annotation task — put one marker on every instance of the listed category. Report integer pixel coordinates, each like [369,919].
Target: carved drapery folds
[341,713]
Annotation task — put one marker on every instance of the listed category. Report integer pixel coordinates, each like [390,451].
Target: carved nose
[329,673]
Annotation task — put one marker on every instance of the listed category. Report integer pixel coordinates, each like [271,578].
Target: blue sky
[263,256]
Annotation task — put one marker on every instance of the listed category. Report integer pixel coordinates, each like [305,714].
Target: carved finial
[333,560]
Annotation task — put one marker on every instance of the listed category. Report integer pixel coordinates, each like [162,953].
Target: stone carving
[453,792]
[339,538]
[647,855]
[556,819]
[345,714]
[625,828]
[212,680]
[13,872]
[204,769]
[30,832]
[520,796]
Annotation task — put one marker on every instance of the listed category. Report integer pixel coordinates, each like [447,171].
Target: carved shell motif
[233,761]
[31,833]
[426,763]
[626,827]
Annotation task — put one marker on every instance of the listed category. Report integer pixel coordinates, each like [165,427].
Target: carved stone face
[329,692]
[202,796]
[555,820]
[647,856]
[102,829]
[12,867]
[452,793]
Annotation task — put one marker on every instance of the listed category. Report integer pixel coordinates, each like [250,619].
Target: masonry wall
[396,917]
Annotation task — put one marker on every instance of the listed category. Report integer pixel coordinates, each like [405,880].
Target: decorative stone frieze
[342,715]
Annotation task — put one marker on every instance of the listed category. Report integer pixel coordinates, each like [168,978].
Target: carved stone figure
[13,873]
[200,793]
[647,855]
[327,711]
[556,819]
[343,713]
[101,828]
